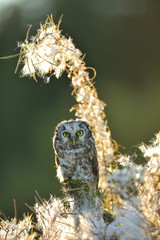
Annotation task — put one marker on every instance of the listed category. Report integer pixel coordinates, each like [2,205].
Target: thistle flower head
[152,152]
[128,224]
[48,52]
[151,196]
[127,181]
[56,222]
[17,230]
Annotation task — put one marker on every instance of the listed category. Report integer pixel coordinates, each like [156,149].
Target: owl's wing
[95,168]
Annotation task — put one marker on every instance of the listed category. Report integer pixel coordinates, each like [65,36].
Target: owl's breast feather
[73,152]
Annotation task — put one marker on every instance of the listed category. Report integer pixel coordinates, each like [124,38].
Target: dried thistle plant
[133,191]
[151,187]
[17,230]
[51,53]
[138,188]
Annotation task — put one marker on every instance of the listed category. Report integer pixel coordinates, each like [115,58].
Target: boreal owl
[75,152]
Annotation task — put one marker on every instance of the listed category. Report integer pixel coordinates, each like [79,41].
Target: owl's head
[73,133]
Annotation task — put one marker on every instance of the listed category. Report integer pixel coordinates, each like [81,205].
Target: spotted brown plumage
[75,152]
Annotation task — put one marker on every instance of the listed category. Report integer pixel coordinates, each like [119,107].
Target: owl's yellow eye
[80,133]
[66,134]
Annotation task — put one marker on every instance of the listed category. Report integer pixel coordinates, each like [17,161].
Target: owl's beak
[74,140]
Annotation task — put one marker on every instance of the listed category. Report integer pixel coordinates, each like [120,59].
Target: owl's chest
[73,157]
[74,153]
[75,164]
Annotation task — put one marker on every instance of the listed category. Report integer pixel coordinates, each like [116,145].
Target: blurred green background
[121,39]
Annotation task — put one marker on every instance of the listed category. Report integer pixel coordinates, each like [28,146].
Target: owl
[75,152]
